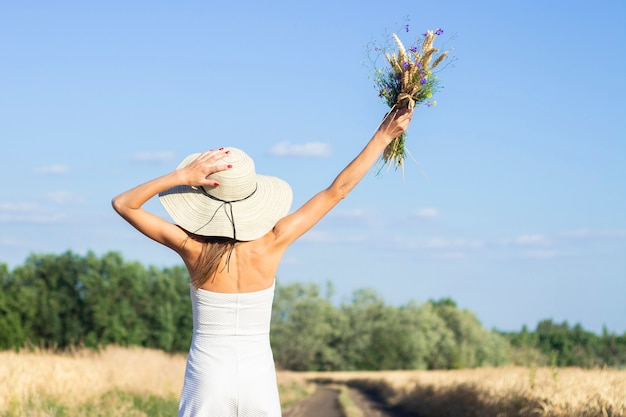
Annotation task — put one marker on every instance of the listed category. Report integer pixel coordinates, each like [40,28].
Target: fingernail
[227,152]
[216,184]
[220,149]
[230,166]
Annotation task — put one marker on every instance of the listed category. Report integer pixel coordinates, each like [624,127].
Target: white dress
[230,368]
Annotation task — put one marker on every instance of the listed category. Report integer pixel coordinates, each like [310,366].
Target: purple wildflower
[406,65]
[422,81]
[406,27]
[413,49]
[439,31]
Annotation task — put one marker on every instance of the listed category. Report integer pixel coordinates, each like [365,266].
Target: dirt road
[325,403]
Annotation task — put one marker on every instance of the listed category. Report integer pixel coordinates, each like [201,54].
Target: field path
[372,408]
[325,403]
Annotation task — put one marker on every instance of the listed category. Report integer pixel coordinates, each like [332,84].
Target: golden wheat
[554,392]
[30,379]
[83,376]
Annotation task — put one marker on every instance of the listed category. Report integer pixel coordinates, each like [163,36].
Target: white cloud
[593,234]
[10,243]
[436,242]
[356,213]
[439,243]
[578,233]
[539,254]
[53,169]
[313,149]
[153,157]
[427,212]
[475,244]
[317,236]
[18,207]
[28,213]
[32,217]
[450,255]
[535,239]
[63,197]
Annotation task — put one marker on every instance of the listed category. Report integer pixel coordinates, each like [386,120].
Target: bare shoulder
[266,250]
[250,266]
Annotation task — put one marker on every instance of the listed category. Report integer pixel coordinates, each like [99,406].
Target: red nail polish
[220,149]
[216,184]
[230,166]
[227,152]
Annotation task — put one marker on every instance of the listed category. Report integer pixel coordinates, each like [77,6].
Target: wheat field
[497,392]
[41,383]
[34,383]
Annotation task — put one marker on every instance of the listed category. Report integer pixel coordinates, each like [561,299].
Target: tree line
[68,300]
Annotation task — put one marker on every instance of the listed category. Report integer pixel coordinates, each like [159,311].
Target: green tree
[52,285]
[398,340]
[12,334]
[475,345]
[306,329]
[441,351]
[117,296]
[166,321]
[364,317]
[555,340]
[181,308]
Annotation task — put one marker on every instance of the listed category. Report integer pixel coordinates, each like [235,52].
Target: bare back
[252,266]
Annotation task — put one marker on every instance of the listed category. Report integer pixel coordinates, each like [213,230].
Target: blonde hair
[213,250]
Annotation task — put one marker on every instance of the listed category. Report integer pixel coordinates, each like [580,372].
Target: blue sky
[519,214]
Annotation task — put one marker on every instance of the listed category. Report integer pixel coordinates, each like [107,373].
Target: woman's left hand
[395,123]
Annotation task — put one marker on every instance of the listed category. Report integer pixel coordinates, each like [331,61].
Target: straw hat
[245,206]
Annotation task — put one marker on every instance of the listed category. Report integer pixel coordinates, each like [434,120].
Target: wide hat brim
[245,219]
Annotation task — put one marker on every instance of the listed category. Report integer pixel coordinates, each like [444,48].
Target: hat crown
[235,183]
[258,201]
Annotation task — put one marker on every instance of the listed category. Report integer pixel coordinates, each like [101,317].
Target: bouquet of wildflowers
[407,81]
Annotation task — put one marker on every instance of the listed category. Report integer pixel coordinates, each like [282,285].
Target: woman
[232,228]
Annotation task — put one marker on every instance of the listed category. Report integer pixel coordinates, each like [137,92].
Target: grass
[113,403]
[292,388]
[347,405]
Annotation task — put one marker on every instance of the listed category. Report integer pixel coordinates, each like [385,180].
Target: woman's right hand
[198,172]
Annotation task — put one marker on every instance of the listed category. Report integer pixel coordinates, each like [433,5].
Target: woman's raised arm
[291,227]
[129,204]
